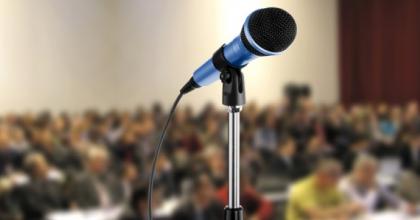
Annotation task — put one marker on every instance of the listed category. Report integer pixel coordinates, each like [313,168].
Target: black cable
[156,155]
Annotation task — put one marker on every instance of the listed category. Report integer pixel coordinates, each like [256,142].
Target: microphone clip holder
[232,79]
[233,87]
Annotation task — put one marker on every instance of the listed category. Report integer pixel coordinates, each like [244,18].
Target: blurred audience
[63,162]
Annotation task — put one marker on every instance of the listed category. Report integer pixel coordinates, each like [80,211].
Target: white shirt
[370,198]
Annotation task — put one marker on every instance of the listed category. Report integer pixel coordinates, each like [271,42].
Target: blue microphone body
[235,53]
[266,32]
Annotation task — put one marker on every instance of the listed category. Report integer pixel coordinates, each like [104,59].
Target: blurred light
[233,15]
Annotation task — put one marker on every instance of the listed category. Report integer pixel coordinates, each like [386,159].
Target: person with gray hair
[97,187]
[361,186]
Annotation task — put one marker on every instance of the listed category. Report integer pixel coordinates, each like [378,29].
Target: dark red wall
[379,50]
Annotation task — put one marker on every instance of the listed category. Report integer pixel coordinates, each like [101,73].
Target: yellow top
[304,194]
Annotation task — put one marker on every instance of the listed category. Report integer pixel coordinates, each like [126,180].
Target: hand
[355,208]
[411,209]
[254,217]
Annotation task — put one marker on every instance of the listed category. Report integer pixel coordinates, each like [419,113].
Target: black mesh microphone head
[273,29]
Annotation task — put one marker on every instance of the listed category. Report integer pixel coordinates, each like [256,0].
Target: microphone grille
[272,28]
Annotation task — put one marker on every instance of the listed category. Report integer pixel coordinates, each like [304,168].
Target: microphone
[266,32]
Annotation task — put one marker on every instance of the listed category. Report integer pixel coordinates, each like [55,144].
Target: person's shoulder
[404,147]
[80,177]
[301,187]
[183,211]
[409,176]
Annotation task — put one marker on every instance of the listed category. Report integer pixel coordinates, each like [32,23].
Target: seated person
[57,155]
[42,194]
[408,186]
[286,163]
[9,157]
[9,209]
[360,145]
[97,187]
[316,149]
[361,187]
[385,128]
[318,197]
[202,204]
[410,153]
[265,136]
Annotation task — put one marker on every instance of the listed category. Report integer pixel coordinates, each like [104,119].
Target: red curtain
[379,51]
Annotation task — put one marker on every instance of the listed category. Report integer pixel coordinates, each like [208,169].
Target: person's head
[180,117]
[37,165]
[411,111]
[250,113]
[4,137]
[268,117]
[414,139]
[383,111]
[18,134]
[364,170]
[316,145]
[327,173]
[45,138]
[58,124]
[128,136]
[147,124]
[204,190]
[97,159]
[163,163]
[215,159]
[286,147]
[212,124]
[396,113]
[130,172]
[157,109]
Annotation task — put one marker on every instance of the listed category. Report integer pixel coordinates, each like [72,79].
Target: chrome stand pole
[234,157]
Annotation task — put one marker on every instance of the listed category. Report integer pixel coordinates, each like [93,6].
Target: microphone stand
[234,98]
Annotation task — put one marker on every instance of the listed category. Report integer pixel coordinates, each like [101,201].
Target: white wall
[76,54]
[56,54]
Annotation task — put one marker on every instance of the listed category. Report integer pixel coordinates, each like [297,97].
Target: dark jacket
[84,190]
[292,169]
[409,159]
[39,197]
[188,212]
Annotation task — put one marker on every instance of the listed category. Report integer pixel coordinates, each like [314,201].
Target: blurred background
[331,128]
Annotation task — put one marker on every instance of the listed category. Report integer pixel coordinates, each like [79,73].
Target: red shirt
[265,207]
